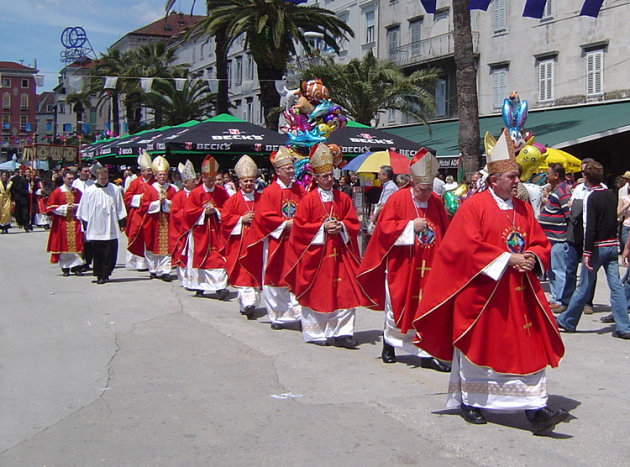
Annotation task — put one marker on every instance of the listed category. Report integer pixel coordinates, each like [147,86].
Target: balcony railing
[427,50]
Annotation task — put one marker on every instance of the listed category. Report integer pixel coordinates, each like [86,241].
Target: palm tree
[365,87]
[113,63]
[221,47]
[173,107]
[81,103]
[150,61]
[272,29]
[466,76]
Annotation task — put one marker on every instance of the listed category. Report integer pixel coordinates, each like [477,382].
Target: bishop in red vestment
[324,244]
[65,239]
[265,257]
[483,307]
[237,216]
[132,198]
[177,234]
[399,257]
[202,218]
[154,211]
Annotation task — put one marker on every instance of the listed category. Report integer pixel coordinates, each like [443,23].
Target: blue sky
[31,29]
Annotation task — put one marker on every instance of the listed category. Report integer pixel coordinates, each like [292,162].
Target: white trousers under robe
[282,307]
[134,262]
[158,264]
[483,388]
[317,327]
[208,280]
[183,276]
[70,260]
[392,334]
[42,219]
[248,296]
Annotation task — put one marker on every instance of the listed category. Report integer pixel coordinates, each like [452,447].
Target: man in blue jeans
[600,250]
[554,219]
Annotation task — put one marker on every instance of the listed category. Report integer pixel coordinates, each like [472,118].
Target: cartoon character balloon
[310,115]
[514,116]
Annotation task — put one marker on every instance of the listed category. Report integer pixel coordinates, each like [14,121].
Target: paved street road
[138,372]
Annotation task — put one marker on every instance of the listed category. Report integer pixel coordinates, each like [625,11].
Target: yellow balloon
[461,190]
[530,159]
[325,129]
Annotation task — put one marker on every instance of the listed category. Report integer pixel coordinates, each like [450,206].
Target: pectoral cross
[423,268]
[527,325]
[334,254]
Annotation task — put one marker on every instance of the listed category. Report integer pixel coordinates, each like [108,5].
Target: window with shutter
[499,18]
[499,86]
[392,42]
[414,33]
[440,98]
[548,11]
[594,73]
[545,80]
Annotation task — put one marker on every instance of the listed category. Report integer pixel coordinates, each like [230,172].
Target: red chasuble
[65,231]
[155,226]
[232,211]
[207,236]
[506,324]
[133,229]
[323,277]
[177,232]
[408,266]
[276,205]
[40,200]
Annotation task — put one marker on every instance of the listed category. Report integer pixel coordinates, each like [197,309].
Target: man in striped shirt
[554,219]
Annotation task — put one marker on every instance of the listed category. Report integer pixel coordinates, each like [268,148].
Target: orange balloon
[335,149]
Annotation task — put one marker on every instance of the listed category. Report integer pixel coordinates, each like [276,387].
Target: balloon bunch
[310,115]
[533,157]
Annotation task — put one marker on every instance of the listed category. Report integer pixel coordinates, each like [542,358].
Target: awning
[556,128]
[356,138]
[225,134]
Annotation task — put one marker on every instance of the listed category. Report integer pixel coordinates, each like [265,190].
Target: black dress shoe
[472,415]
[198,293]
[435,364]
[66,272]
[608,319]
[223,294]
[249,311]
[101,281]
[621,336]
[389,354]
[320,343]
[545,419]
[166,277]
[78,270]
[347,342]
[152,275]
[276,326]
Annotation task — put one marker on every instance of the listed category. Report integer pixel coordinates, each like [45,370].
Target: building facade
[19,104]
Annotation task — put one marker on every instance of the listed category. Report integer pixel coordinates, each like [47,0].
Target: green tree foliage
[368,86]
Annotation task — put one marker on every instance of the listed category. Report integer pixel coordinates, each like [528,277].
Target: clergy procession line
[463,292]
